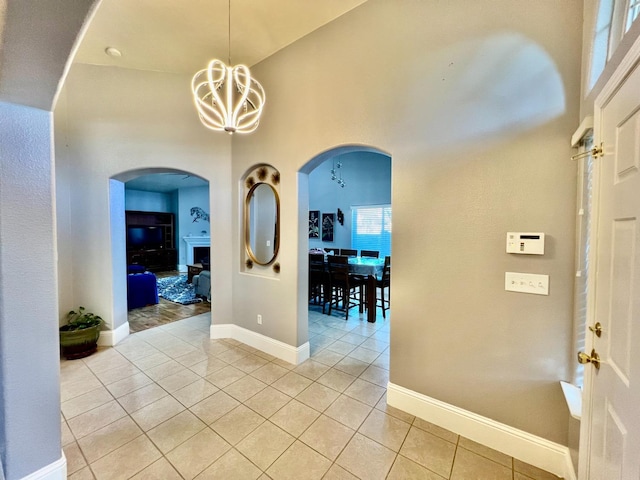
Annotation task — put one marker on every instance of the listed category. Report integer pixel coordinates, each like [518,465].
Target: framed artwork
[314,223]
[328,220]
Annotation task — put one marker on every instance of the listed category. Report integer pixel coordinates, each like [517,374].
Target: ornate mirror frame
[256,177]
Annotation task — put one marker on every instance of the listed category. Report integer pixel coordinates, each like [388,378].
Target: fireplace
[192,244]
[200,254]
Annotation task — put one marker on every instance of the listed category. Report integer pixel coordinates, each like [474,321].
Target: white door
[611,421]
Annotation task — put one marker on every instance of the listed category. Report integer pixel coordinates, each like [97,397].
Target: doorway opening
[344,187]
[164,245]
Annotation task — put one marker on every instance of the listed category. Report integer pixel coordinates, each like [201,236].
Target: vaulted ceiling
[182,36]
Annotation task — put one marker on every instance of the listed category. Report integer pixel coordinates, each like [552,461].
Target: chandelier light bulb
[227,98]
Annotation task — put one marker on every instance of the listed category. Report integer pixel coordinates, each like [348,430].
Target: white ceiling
[181,36]
[165,182]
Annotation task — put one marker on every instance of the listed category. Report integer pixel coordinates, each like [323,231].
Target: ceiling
[165,182]
[182,36]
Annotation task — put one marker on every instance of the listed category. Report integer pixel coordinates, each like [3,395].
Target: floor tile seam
[512,467]
[417,463]
[183,441]
[85,393]
[89,410]
[413,424]
[146,405]
[110,451]
[396,454]
[100,428]
[322,454]
[373,439]
[143,468]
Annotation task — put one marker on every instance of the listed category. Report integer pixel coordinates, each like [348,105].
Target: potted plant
[79,337]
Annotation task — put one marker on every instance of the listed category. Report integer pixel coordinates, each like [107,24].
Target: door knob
[594,359]
[597,329]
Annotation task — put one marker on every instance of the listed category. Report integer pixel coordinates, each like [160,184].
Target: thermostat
[527,243]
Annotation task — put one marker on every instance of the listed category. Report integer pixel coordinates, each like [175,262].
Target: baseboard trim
[109,338]
[286,352]
[54,471]
[534,450]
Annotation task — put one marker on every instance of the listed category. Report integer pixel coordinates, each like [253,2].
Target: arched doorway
[162,217]
[335,185]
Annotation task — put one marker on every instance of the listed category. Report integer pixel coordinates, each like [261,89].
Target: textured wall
[29,410]
[141,120]
[476,111]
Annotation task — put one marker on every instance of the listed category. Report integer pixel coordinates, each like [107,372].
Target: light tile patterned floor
[169,403]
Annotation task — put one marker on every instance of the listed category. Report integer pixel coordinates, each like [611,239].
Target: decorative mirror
[262,218]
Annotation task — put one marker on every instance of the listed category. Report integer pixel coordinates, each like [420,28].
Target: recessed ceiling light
[113,52]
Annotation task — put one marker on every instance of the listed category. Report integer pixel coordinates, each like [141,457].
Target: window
[371,228]
[632,13]
[585,187]
[600,47]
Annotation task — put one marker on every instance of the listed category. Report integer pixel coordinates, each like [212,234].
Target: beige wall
[111,121]
[476,111]
[476,103]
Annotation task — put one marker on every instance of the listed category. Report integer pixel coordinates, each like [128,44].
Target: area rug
[176,289]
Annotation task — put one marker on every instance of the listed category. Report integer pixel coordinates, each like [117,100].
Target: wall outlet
[259,319]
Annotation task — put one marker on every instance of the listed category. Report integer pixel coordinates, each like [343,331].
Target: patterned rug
[176,289]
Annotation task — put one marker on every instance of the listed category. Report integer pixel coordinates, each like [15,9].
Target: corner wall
[139,120]
[29,372]
[476,111]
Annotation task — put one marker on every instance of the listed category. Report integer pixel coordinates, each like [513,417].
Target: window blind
[371,228]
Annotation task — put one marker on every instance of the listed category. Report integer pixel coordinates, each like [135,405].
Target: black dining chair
[369,253]
[348,252]
[384,282]
[342,290]
[317,279]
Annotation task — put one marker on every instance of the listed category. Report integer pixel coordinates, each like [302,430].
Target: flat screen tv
[145,238]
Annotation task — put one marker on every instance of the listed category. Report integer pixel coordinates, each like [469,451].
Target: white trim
[195,241]
[619,75]
[539,452]
[54,471]
[266,344]
[583,129]
[573,397]
[182,268]
[109,338]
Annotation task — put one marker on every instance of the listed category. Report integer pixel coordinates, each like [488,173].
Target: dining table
[370,268]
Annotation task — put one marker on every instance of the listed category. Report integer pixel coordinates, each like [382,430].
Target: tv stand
[162,255]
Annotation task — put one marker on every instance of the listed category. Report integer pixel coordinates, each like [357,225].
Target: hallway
[170,403]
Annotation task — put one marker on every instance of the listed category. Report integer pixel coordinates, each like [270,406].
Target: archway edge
[310,165]
[127,175]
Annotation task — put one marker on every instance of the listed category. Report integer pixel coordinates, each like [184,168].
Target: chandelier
[227,98]
[335,171]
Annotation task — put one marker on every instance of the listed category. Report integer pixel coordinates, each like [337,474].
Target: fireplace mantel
[195,241]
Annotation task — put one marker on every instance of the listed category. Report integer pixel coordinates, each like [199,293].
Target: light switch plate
[526,283]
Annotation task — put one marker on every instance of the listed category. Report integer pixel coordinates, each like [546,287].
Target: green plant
[80,320]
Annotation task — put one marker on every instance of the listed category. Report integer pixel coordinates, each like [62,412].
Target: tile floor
[169,403]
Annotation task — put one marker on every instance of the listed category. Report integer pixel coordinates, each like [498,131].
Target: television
[145,238]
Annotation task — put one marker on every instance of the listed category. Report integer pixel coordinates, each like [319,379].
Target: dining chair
[317,279]
[369,253]
[348,252]
[384,282]
[341,288]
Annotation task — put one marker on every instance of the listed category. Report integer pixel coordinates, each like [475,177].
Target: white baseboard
[109,338]
[266,344]
[534,450]
[54,471]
